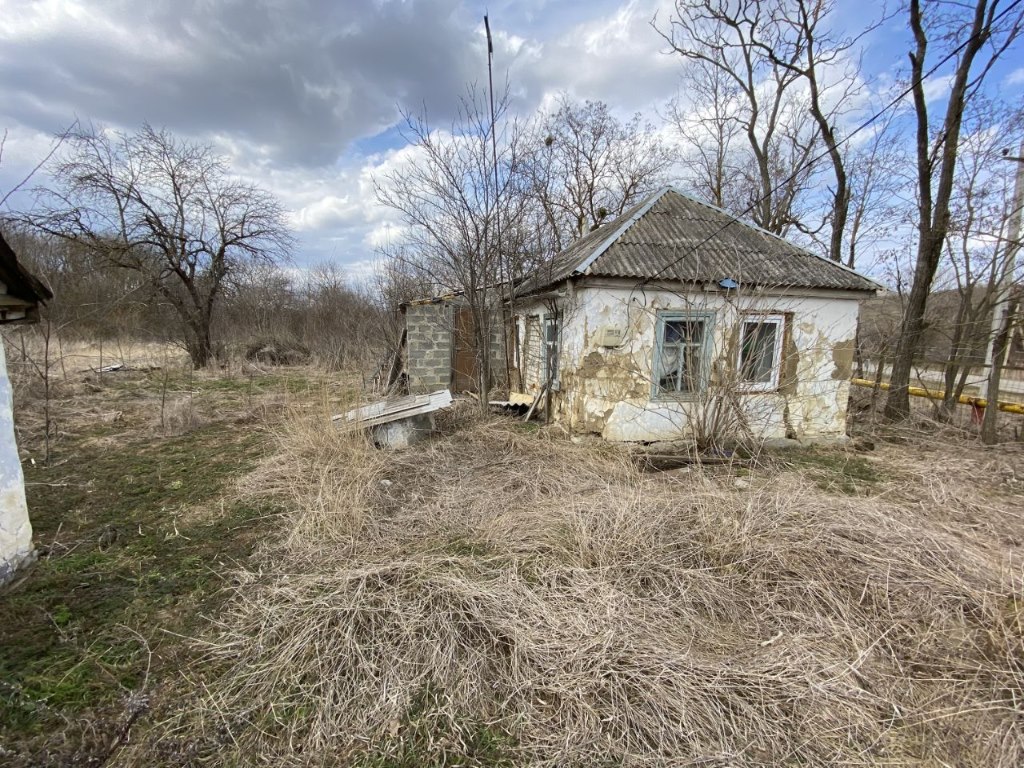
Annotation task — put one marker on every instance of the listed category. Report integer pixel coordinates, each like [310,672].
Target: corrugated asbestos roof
[672,236]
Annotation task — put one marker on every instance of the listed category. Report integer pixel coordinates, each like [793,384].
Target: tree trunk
[933,212]
[199,344]
[482,338]
[897,404]
[955,360]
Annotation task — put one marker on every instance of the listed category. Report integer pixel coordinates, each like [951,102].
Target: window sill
[682,397]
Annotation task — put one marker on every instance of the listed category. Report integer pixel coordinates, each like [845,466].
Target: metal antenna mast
[494,129]
[494,160]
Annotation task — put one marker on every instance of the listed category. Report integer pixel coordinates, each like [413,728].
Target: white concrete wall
[609,390]
[15,529]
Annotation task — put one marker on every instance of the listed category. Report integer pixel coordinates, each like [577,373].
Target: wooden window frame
[706,349]
[778,319]
[552,349]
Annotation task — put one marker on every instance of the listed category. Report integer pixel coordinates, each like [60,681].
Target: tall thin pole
[494,125]
[497,207]
[1003,308]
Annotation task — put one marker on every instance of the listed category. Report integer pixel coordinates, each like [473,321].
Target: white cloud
[937,87]
[303,95]
[328,211]
[615,58]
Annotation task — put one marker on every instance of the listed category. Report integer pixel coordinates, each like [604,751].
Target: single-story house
[678,321]
[20,297]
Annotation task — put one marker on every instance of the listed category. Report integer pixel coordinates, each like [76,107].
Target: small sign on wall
[611,336]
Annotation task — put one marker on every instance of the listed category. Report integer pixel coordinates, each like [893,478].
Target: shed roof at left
[18,281]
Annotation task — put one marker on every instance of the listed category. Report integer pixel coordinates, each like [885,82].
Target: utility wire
[863,126]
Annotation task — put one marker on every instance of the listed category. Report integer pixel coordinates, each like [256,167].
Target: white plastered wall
[15,529]
[608,390]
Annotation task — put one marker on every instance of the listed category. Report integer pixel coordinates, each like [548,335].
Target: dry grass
[177,416]
[503,597]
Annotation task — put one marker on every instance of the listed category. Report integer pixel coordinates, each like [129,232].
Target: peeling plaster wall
[609,390]
[15,529]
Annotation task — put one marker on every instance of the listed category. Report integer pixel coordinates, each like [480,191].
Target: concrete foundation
[403,432]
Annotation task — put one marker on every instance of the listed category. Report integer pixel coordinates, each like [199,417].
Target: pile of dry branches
[509,598]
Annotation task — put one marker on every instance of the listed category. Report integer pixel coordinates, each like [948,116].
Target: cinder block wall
[497,345]
[428,346]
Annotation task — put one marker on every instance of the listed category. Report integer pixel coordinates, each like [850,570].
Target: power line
[863,126]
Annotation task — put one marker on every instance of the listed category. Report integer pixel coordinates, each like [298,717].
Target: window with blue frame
[682,353]
[552,334]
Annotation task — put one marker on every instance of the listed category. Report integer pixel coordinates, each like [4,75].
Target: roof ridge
[736,219]
[639,211]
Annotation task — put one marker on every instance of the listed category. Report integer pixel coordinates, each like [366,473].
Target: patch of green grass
[88,622]
[61,615]
[427,737]
[463,547]
[835,470]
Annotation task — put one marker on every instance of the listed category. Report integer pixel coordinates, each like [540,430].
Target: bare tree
[975,250]
[1007,302]
[743,44]
[585,166]
[452,200]
[395,281]
[974,36]
[341,322]
[708,122]
[759,68]
[805,45]
[166,209]
[875,191]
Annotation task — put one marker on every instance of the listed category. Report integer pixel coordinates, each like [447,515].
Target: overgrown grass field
[139,527]
[281,593]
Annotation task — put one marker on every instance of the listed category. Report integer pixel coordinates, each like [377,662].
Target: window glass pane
[678,368]
[685,331]
[757,359]
[668,369]
[673,332]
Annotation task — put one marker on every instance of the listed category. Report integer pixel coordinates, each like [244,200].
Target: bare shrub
[509,596]
[280,351]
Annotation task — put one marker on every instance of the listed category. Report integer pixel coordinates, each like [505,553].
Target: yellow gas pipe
[979,402]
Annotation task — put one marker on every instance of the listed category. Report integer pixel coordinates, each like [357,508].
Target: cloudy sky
[304,95]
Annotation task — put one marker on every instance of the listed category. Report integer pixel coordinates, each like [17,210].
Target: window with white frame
[682,353]
[760,353]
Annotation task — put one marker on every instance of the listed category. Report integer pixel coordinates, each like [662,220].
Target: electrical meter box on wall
[611,336]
